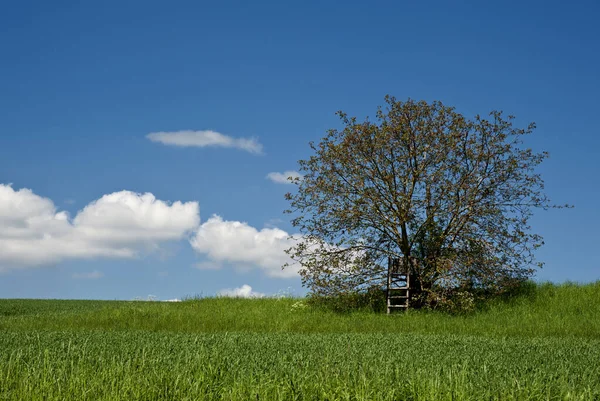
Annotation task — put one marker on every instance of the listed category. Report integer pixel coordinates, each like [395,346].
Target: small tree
[450,196]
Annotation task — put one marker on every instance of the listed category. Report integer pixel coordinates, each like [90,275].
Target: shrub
[372,299]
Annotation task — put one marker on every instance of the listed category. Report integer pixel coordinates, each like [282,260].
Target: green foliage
[370,300]
[524,290]
[469,300]
[450,300]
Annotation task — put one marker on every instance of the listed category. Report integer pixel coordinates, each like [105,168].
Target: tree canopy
[450,196]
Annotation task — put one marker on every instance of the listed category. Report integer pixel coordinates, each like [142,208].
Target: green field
[543,346]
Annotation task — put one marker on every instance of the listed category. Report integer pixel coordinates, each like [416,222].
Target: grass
[563,311]
[541,346]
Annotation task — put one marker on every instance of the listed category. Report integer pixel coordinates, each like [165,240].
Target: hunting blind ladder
[398,285]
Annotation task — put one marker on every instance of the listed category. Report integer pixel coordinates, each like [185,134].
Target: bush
[451,300]
[371,300]
[523,288]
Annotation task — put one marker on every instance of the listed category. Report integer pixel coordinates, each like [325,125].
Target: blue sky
[82,86]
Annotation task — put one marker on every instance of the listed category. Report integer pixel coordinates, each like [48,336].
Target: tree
[450,196]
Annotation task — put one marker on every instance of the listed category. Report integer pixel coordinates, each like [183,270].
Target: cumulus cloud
[244,291]
[239,243]
[89,276]
[124,217]
[282,178]
[204,139]
[118,225]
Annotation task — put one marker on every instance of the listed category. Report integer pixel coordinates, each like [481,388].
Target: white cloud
[172,300]
[118,225]
[124,217]
[273,223]
[239,243]
[89,276]
[282,178]
[204,139]
[244,291]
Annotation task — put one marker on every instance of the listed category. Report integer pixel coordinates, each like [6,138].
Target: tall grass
[541,345]
[567,310]
[244,366]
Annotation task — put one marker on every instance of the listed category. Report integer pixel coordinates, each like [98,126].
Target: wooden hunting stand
[398,285]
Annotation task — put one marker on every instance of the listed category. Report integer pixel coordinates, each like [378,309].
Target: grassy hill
[541,345]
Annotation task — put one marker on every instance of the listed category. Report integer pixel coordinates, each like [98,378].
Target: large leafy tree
[449,196]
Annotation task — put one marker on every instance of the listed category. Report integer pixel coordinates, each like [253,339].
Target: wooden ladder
[398,287]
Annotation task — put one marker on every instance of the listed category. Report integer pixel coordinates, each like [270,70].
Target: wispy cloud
[208,265]
[244,291]
[273,223]
[89,275]
[203,139]
[284,178]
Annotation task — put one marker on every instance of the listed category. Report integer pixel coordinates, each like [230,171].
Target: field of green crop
[545,346]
